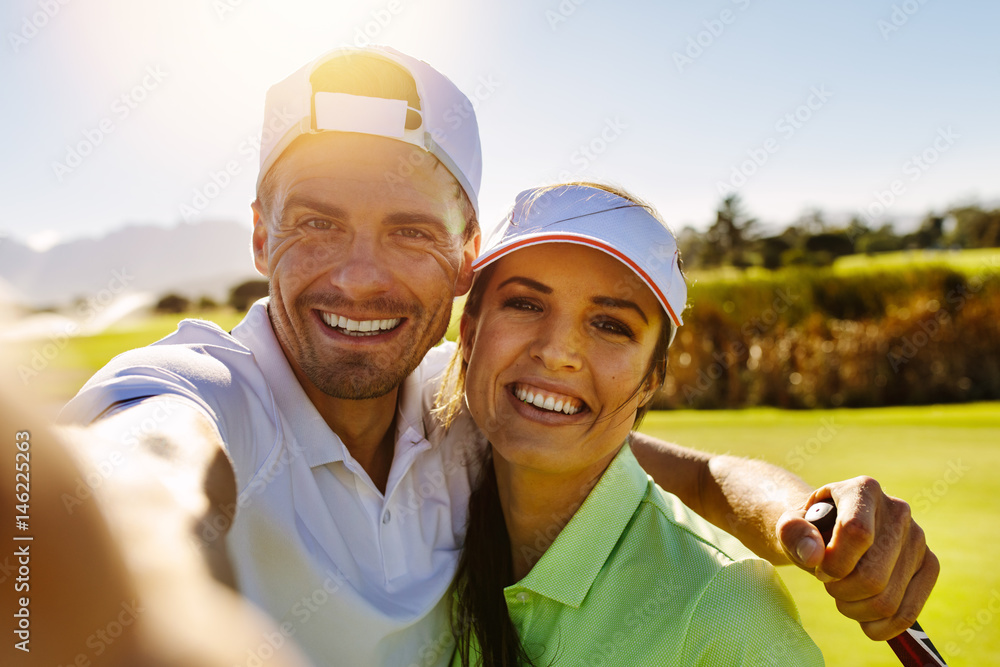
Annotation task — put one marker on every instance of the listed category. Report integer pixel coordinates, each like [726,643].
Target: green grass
[980,261]
[54,373]
[910,451]
[969,262]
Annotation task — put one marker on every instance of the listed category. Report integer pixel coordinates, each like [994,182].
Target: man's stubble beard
[358,375]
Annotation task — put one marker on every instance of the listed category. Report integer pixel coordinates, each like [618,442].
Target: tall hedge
[874,334]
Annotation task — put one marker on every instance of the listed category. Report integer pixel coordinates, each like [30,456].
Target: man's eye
[411,233]
[319,224]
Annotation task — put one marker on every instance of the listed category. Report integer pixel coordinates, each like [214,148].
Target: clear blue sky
[557,75]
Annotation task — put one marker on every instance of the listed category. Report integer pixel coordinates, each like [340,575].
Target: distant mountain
[207,258]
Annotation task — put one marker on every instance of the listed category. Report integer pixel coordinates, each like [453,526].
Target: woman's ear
[646,396]
[467,335]
[650,386]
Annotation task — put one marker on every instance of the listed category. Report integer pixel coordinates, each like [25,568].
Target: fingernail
[806,549]
[822,576]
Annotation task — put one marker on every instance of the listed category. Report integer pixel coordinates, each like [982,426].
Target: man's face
[362,243]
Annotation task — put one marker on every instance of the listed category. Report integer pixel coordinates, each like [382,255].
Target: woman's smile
[559,355]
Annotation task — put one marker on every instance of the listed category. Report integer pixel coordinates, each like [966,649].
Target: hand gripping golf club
[913,647]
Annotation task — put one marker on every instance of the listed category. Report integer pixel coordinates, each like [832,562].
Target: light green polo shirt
[637,578]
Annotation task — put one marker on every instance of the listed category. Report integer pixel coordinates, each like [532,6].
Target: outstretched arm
[877,567]
[744,497]
[167,439]
[115,577]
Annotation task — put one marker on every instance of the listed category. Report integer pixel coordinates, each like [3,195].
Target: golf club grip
[913,647]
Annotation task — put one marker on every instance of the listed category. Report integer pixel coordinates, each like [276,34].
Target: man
[348,505]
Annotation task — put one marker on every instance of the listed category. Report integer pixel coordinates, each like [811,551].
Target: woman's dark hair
[485,567]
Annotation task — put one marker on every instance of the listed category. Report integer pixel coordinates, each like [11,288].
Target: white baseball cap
[594,217]
[448,128]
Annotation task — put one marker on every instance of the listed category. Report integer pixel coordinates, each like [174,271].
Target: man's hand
[877,566]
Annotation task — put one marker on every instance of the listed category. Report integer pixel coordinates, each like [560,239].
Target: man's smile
[350,327]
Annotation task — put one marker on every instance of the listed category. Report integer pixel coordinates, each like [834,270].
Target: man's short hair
[367,75]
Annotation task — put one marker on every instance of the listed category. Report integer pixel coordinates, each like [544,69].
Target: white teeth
[369,327]
[546,402]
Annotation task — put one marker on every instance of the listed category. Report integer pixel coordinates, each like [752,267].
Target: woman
[573,555]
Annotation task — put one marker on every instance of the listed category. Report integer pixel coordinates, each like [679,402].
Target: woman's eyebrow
[527,282]
[611,302]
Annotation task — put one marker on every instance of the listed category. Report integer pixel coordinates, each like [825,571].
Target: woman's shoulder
[739,606]
[681,530]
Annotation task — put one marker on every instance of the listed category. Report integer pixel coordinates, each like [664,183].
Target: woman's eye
[614,327]
[520,303]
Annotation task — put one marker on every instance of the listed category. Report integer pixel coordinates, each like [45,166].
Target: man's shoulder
[436,360]
[196,361]
[193,331]
[197,349]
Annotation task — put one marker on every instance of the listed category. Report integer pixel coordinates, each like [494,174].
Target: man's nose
[361,269]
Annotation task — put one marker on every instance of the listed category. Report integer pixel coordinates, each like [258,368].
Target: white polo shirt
[355,576]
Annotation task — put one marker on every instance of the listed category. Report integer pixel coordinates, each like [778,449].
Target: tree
[243,295]
[771,249]
[828,246]
[975,227]
[173,303]
[207,303]
[692,244]
[729,237]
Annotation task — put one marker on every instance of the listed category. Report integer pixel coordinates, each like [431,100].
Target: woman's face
[562,343]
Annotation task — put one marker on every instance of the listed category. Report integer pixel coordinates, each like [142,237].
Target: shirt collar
[320,445]
[585,544]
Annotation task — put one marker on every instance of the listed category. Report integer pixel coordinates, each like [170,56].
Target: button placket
[520,608]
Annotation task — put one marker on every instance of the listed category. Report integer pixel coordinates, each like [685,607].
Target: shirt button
[522,597]
[386,516]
